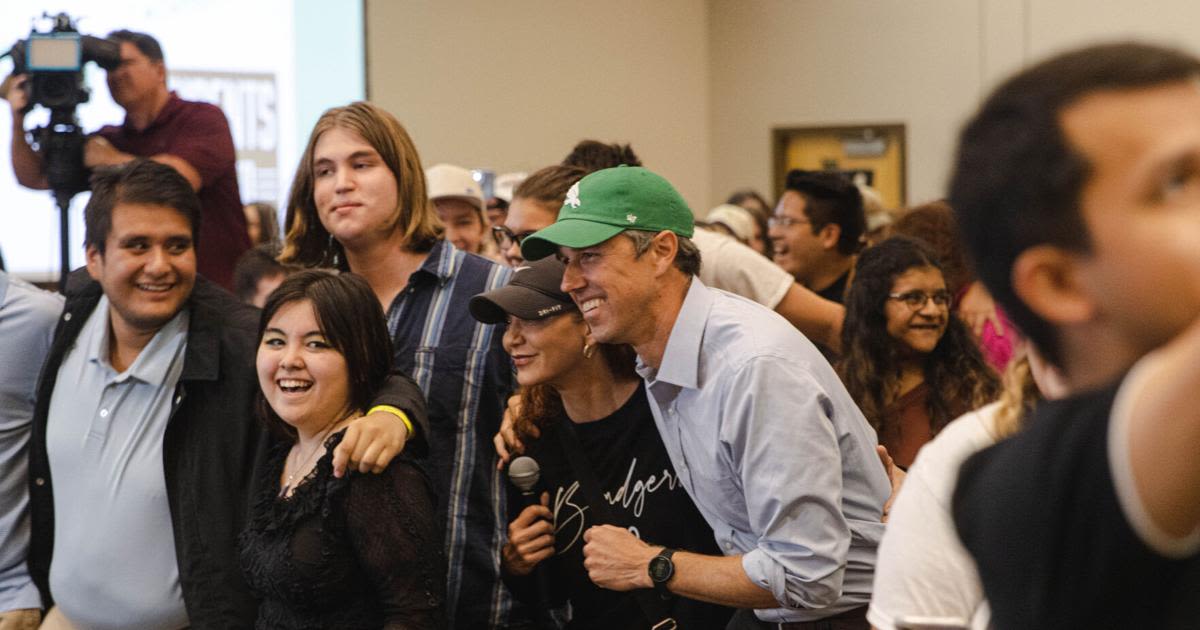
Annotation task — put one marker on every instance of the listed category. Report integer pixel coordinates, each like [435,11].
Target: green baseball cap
[608,202]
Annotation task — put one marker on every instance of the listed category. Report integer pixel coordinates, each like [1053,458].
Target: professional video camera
[54,62]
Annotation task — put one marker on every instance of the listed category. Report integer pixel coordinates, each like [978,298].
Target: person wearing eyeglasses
[909,365]
[534,205]
[817,229]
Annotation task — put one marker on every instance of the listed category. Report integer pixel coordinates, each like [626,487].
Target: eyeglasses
[916,299]
[505,237]
[785,222]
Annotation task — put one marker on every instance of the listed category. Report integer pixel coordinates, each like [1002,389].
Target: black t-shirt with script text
[636,477]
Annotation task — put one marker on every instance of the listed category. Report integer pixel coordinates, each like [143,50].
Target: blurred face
[758,240]
[612,287]
[525,216]
[496,211]
[137,78]
[797,249]
[303,378]
[148,267]
[266,285]
[545,350]
[1141,206]
[464,227]
[914,316]
[253,227]
[354,191]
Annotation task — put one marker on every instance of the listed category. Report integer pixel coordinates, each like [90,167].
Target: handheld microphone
[524,473]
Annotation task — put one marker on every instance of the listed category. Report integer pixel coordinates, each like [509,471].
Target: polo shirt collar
[153,363]
[681,358]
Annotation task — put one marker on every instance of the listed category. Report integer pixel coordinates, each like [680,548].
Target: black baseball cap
[533,293]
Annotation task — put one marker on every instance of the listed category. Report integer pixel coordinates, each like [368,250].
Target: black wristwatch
[661,569]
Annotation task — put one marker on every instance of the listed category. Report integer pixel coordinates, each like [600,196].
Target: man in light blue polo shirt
[762,433]
[27,318]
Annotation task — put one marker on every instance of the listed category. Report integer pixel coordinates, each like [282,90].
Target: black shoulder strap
[653,606]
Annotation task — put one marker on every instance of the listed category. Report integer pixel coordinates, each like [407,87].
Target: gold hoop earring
[588,350]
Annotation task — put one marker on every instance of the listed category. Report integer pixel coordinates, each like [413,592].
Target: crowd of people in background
[817,413]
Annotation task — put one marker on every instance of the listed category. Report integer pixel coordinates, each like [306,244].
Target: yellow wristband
[395,412]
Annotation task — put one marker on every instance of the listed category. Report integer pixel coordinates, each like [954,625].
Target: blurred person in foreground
[1078,194]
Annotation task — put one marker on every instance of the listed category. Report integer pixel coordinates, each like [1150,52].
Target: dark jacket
[211,449]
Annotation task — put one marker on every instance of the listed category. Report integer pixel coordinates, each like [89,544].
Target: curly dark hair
[959,379]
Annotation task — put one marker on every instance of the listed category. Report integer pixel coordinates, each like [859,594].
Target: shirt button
[729,546]
[39,482]
[66,317]
[103,413]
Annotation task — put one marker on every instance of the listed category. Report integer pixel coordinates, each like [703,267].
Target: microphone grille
[524,473]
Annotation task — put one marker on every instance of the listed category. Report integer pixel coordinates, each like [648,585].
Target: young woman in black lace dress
[360,551]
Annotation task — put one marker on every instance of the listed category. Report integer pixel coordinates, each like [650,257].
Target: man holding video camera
[191,137]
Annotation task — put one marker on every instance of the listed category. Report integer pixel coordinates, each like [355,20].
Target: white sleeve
[731,266]
[922,568]
[1121,469]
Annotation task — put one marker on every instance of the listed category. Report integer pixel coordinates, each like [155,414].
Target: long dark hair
[958,377]
[350,319]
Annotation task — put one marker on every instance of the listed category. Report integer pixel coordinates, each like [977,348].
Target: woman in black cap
[593,424]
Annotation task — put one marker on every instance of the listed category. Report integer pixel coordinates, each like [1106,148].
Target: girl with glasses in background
[909,365]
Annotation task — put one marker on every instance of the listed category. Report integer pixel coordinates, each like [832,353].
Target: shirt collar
[681,358]
[442,262]
[153,363]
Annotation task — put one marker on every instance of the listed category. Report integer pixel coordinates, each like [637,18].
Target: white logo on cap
[542,312]
[573,196]
[632,218]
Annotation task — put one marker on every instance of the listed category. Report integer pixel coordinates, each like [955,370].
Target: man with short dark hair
[191,137]
[144,443]
[816,231]
[1077,189]
[761,432]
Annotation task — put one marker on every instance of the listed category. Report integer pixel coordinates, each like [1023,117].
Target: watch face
[661,569]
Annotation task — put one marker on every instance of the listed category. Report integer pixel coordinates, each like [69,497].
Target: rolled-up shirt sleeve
[784,448]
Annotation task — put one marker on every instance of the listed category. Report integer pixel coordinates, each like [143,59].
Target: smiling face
[355,193]
[613,288]
[798,250]
[917,329]
[304,379]
[464,226]
[545,351]
[148,266]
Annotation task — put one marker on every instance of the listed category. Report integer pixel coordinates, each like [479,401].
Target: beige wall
[513,85]
[923,63]
[698,85]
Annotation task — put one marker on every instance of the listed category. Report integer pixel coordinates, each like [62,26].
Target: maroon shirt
[199,134]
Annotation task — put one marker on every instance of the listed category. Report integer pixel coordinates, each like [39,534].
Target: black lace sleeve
[391,522]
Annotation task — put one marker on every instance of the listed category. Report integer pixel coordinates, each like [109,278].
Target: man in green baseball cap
[608,202]
[760,430]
